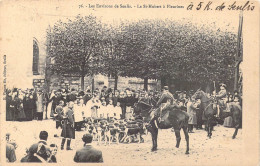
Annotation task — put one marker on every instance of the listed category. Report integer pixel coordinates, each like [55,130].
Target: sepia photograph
[129,83]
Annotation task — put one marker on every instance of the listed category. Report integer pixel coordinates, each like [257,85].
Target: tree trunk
[116,81]
[93,84]
[82,82]
[146,83]
[163,81]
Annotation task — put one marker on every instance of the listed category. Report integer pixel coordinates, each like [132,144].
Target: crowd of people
[70,109]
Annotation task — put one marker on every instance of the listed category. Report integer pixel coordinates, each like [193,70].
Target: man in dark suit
[88,154]
[38,152]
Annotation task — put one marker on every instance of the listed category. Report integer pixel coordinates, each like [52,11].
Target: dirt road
[220,149]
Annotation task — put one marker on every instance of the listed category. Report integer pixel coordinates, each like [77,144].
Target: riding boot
[191,128]
[68,144]
[218,109]
[62,143]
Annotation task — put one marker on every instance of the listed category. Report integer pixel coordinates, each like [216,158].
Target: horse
[172,117]
[209,110]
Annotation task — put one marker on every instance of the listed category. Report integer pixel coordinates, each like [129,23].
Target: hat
[15,90]
[166,88]
[223,85]
[87,138]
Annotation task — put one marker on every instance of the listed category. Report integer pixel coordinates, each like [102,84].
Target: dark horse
[209,110]
[172,117]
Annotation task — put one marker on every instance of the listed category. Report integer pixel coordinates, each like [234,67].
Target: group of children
[97,109]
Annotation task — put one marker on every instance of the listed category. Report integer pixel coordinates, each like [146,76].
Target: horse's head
[198,94]
[143,109]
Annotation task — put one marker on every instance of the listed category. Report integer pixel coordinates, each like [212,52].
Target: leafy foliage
[144,49]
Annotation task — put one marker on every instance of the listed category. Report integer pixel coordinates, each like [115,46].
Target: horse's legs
[210,128]
[235,133]
[178,137]
[155,139]
[187,139]
[236,122]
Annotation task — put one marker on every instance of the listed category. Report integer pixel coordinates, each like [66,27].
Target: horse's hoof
[233,137]
[177,146]
[154,149]
[187,153]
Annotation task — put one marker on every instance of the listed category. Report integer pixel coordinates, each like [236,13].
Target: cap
[166,88]
[223,85]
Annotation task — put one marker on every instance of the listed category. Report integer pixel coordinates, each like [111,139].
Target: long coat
[191,110]
[68,130]
[39,103]
[8,108]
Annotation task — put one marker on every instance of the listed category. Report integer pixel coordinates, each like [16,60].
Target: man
[164,102]
[122,100]
[72,96]
[115,98]
[222,98]
[87,96]
[88,154]
[68,130]
[10,149]
[38,152]
[129,101]
[59,116]
[166,99]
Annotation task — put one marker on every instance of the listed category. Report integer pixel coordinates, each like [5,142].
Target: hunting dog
[111,133]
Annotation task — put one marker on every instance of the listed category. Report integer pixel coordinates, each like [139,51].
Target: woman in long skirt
[21,114]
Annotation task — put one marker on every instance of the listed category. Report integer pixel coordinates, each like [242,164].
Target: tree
[74,46]
[113,47]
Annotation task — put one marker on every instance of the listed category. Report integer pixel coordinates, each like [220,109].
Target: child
[103,110]
[110,109]
[118,111]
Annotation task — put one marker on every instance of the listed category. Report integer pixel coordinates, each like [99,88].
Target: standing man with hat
[68,131]
[222,98]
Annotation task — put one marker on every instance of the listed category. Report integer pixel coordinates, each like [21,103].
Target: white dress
[78,113]
[110,110]
[118,112]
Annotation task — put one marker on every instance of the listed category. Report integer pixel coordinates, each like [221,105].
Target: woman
[21,113]
[49,107]
[8,105]
[228,121]
[14,105]
[191,110]
[39,105]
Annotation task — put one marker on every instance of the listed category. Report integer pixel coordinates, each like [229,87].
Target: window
[35,58]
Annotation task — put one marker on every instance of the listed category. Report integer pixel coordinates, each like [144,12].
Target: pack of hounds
[119,131]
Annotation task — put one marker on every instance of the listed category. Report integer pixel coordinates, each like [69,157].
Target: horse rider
[221,98]
[165,101]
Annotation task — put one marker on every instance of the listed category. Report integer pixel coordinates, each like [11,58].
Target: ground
[221,148]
